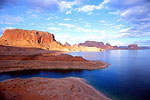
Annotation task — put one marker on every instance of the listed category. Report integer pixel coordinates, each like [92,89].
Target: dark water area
[127,78]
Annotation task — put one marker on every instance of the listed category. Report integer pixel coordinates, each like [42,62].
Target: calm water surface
[127,78]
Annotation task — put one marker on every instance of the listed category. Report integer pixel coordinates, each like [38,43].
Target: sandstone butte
[48,89]
[37,39]
[100,45]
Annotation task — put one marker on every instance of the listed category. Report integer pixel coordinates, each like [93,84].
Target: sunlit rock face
[30,38]
[36,36]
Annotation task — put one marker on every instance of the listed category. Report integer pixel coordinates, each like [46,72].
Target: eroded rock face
[30,38]
[31,35]
[48,89]
[133,46]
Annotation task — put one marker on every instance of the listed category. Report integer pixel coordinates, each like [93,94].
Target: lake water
[127,78]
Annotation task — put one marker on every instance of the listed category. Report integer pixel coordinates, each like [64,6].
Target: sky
[118,22]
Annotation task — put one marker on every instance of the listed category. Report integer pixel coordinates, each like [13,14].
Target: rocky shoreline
[14,65]
[18,59]
[48,89]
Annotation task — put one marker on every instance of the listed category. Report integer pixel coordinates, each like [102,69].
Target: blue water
[127,78]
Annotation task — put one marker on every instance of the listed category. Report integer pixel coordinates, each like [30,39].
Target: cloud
[8,19]
[68,5]
[102,21]
[136,13]
[125,4]
[54,29]
[54,5]
[90,8]
[115,12]
[49,18]
[143,42]
[115,42]
[88,30]
[66,25]
[88,25]
[51,5]
[131,9]
[124,30]
[43,5]
[34,16]
[95,34]
[135,33]
[67,19]
[68,12]
[4,28]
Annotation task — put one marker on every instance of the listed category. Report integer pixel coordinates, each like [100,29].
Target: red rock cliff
[36,36]
[30,38]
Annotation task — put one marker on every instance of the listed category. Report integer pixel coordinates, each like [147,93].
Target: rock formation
[107,44]
[48,89]
[133,46]
[30,38]
[92,44]
[18,58]
[67,44]
[97,44]
[37,39]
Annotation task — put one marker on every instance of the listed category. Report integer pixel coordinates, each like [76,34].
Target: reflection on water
[127,78]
